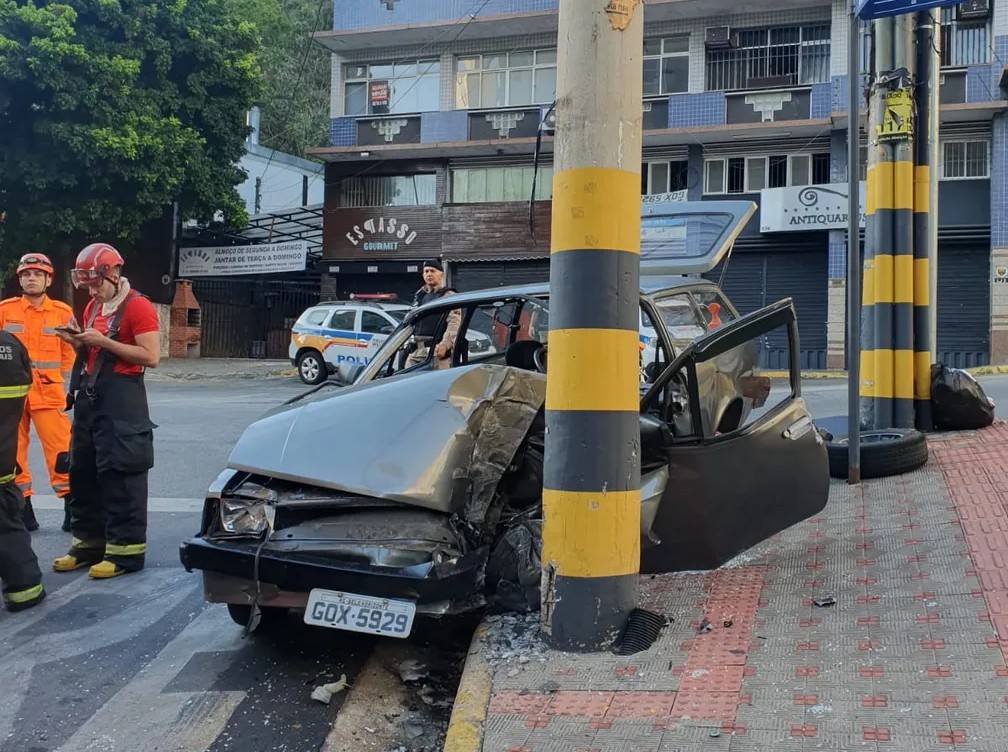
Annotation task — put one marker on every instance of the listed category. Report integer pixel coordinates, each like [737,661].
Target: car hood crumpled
[439,440]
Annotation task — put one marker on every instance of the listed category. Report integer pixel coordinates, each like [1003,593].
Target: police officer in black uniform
[20,575]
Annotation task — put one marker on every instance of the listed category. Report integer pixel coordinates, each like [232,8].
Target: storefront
[378,250]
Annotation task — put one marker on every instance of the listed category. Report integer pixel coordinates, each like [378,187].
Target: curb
[465,728]
[840,374]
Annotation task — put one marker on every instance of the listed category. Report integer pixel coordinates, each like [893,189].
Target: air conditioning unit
[973,11]
[720,37]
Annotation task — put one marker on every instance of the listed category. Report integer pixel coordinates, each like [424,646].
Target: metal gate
[479,275]
[963,302]
[250,318]
[755,279]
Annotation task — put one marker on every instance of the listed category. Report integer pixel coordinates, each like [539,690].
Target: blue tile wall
[838,156]
[822,100]
[367,14]
[839,93]
[696,110]
[999,183]
[978,84]
[1001,50]
[341,131]
[837,264]
[436,127]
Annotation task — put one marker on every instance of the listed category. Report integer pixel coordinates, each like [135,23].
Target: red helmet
[94,264]
[37,261]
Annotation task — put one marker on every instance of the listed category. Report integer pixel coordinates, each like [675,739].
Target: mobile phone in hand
[66,330]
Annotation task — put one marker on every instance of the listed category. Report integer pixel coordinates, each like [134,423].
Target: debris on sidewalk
[824,602]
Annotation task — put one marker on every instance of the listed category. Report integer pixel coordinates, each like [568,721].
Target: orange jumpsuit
[52,360]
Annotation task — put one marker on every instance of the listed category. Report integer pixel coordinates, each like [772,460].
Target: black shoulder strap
[81,360]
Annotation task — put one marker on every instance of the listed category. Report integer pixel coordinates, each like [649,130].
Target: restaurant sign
[381,234]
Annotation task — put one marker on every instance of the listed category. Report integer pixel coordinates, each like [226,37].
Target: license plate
[359,613]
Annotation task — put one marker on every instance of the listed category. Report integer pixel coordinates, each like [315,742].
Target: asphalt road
[141,663]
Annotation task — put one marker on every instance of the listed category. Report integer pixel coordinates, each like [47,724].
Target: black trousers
[19,569]
[111,453]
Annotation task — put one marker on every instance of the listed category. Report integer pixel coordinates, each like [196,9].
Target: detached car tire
[311,367]
[885,452]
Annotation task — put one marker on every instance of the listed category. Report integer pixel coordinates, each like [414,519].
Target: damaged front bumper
[353,553]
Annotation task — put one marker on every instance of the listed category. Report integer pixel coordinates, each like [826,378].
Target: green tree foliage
[296,74]
[110,110]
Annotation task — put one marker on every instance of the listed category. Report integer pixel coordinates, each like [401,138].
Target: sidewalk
[219,369]
[912,656]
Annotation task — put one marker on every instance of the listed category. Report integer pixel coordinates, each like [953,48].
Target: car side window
[375,323]
[316,318]
[343,320]
[681,318]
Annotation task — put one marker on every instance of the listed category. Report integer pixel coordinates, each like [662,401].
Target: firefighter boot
[28,516]
[81,554]
[24,599]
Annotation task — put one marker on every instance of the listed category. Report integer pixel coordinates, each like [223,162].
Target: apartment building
[436,107]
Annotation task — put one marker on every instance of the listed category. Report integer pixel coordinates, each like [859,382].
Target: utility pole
[853,246]
[591,474]
[895,384]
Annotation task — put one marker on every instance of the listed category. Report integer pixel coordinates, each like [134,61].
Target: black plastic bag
[514,567]
[958,402]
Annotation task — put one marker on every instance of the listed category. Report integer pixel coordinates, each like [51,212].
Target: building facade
[436,109]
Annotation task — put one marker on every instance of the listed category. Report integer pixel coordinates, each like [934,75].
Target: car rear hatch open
[689,237]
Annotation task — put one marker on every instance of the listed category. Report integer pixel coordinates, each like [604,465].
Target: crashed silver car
[417,491]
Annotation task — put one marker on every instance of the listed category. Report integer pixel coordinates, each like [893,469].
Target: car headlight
[652,342]
[246,517]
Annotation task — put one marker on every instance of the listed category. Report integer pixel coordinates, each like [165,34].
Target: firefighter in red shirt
[32,318]
[112,441]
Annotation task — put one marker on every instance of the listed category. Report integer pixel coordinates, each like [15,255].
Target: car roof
[649,285]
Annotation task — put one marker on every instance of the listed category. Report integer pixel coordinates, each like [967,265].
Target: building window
[481,184]
[965,160]
[666,65]
[508,79]
[753,174]
[664,177]
[389,190]
[963,43]
[775,57]
[382,89]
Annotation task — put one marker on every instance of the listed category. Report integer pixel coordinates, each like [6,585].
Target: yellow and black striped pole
[891,296]
[591,477]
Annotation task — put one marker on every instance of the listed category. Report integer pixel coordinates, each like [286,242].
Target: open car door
[745,460]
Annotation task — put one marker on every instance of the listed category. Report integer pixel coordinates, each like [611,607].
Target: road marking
[154,504]
[143,716]
[22,650]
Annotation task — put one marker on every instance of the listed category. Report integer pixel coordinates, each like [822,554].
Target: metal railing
[774,57]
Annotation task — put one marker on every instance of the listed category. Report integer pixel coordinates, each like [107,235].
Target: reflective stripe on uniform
[60,488]
[48,330]
[12,326]
[129,549]
[45,365]
[14,392]
[80,545]
[7,478]
[23,596]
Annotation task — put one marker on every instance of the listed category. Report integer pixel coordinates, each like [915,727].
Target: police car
[331,337]
[341,332]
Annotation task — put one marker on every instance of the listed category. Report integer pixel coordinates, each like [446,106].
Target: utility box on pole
[591,484]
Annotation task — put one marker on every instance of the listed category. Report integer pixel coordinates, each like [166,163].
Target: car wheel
[311,367]
[271,615]
[890,451]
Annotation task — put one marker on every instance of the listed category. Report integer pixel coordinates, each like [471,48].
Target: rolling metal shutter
[963,301]
[478,275]
[755,279]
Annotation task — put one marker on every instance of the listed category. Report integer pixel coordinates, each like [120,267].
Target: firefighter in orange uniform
[32,318]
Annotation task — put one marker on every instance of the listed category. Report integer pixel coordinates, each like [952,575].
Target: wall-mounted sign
[378,93]
[381,234]
[807,207]
[1000,275]
[658,198]
[266,258]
